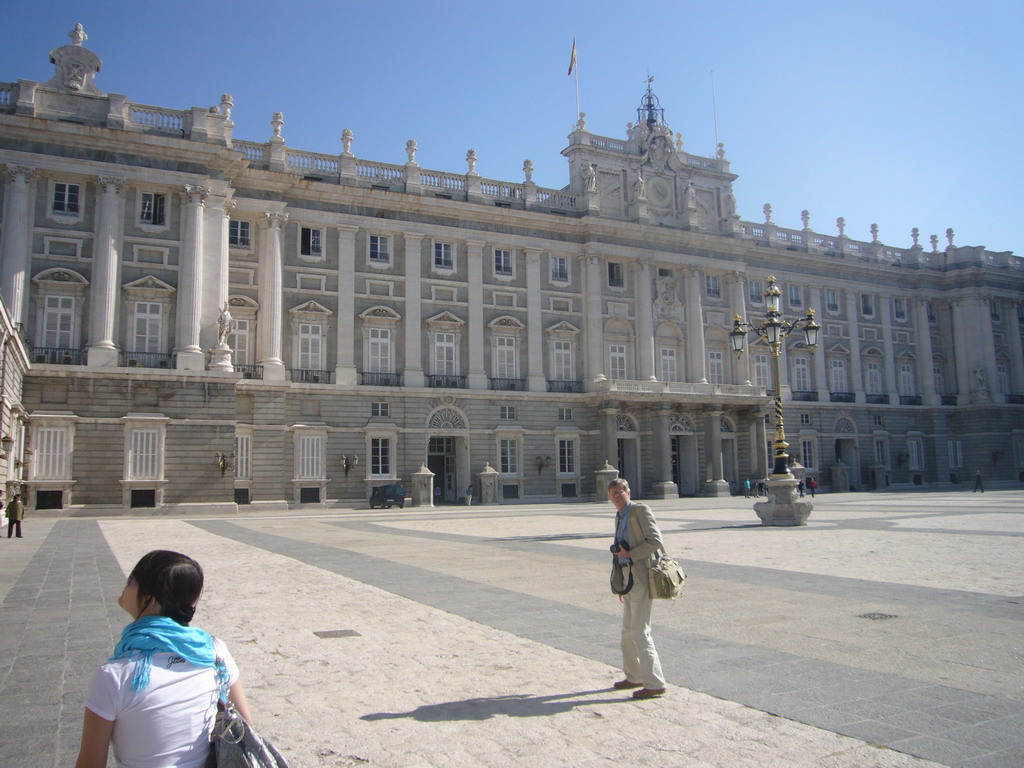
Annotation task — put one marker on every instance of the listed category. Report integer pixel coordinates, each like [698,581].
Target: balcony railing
[146,360]
[949,399]
[1015,399]
[510,385]
[565,386]
[378,379]
[57,355]
[249,371]
[842,397]
[806,395]
[446,381]
[910,399]
[876,399]
[309,376]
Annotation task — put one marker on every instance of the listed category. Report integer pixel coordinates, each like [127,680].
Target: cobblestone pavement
[887,632]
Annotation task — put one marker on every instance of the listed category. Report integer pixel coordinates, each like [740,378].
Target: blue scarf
[160,634]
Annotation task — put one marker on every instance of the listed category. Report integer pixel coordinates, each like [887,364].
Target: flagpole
[577,71]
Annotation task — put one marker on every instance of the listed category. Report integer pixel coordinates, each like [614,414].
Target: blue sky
[901,113]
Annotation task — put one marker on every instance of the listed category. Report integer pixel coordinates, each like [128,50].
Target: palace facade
[213,322]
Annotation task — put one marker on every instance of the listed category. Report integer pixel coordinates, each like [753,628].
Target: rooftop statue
[76,66]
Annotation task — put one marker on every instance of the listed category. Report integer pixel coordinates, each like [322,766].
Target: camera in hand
[618,546]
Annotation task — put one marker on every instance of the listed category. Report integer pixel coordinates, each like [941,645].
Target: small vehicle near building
[385,496]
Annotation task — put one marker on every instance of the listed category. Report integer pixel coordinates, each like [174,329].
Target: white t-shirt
[169,723]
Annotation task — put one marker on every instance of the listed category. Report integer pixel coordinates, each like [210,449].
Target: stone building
[214,322]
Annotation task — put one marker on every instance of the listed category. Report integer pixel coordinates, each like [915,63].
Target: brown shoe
[624,684]
[648,693]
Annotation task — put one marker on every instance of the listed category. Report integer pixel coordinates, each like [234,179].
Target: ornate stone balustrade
[445,181]
[162,120]
[253,152]
[383,172]
[631,386]
[311,161]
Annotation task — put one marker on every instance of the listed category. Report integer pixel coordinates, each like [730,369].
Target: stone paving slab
[480,644]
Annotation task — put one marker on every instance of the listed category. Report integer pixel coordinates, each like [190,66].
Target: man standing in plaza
[636,538]
[15,512]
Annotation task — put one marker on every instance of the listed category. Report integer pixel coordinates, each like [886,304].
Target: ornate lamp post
[782,507]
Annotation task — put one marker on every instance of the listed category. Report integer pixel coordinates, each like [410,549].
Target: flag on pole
[572,59]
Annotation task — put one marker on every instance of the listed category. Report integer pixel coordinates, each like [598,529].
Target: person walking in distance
[15,513]
[977,485]
[636,538]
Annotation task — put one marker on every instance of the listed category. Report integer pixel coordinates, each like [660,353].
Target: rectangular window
[796,298]
[938,380]
[616,275]
[566,457]
[379,350]
[562,365]
[878,421]
[839,382]
[907,385]
[502,262]
[915,451]
[667,358]
[148,327]
[444,258]
[152,210]
[801,374]
[899,308]
[997,315]
[616,361]
[243,457]
[882,452]
[380,409]
[311,457]
[51,453]
[805,419]
[867,305]
[310,242]
[238,234]
[807,454]
[831,300]
[711,286]
[559,269]
[756,292]
[873,378]
[238,340]
[509,459]
[761,371]
[380,249]
[507,412]
[66,198]
[144,454]
[565,414]
[716,368]
[444,355]
[956,454]
[58,321]
[1002,378]
[506,357]
[380,457]
[930,310]
[309,355]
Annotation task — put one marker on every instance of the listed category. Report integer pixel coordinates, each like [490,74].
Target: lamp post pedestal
[783,506]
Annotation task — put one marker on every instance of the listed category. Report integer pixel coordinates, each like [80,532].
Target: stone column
[961,352]
[217,292]
[664,486]
[926,381]
[738,306]
[345,367]
[695,327]
[15,248]
[475,274]
[270,297]
[610,436]
[1016,353]
[413,330]
[856,376]
[988,346]
[190,281]
[644,320]
[884,303]
[106,261]
[716,485]
[594,321]
[535,378]
[820,369]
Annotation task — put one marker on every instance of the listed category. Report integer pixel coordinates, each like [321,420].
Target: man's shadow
[486,708]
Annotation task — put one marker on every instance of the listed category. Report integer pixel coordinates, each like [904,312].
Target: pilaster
[345,368]
[890,361]
[189,355]
[644,320]
[413,330]
[926,381]
[1016,352]
[14,244]
[536,381]
[856,375]
[270,297]
[475,273]
[103,293]
[695,327]
[594,319]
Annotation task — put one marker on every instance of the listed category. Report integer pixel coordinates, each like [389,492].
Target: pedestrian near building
[636,538]
[812,486]
[800,488]
[15,514]
[978,486]
[469,495]
[746,488]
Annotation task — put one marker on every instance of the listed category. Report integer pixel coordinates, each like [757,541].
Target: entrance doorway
[730,472]
[684,464]
[846,452]
[629,465]
[441,453]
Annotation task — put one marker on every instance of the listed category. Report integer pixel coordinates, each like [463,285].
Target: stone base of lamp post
[783,506]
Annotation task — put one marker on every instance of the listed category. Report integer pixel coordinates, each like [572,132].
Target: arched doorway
[448,453]
[683,443]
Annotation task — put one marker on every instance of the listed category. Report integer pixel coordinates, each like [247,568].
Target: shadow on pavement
[486,708]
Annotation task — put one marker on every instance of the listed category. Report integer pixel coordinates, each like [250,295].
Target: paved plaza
[887,632]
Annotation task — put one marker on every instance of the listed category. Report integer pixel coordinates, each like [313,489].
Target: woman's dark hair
[172,579]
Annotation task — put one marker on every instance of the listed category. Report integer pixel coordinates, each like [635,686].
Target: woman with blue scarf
[155,700]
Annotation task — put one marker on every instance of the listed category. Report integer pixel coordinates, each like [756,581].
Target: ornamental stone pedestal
[605,475]
[488,485]
[423,488]
[783,507]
